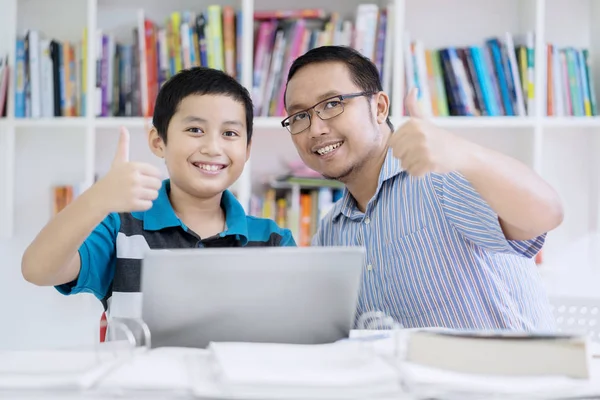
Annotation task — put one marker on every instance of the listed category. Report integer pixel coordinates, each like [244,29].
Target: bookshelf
[561,148]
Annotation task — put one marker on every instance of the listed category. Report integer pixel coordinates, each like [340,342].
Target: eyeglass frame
[342,97]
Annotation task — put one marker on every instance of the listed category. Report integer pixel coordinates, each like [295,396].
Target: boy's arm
[52,258]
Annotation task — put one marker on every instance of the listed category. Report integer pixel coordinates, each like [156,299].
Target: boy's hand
[128,186]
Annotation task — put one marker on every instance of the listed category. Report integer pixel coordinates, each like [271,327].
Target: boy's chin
[206,188]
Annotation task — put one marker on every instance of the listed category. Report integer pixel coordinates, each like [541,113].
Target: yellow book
[215,27]
[176,40]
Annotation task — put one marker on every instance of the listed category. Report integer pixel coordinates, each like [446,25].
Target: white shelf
[477,122]
[127,122]
[61,122]
[572,122]
[261,123]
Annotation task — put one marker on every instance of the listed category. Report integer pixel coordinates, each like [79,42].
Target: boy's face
[206,147]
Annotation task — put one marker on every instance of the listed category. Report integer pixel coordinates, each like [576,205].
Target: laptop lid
[304,295]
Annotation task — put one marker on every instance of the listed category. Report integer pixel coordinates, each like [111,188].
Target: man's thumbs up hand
[423,147]
[128,186]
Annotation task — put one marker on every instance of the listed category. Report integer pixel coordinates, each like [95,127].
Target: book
[501,353]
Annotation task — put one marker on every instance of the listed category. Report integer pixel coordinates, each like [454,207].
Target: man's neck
[203,216]
[363,182]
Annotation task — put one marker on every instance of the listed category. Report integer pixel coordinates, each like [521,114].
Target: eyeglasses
[325,109]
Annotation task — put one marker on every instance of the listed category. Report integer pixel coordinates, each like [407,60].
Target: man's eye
[332,104]
[299,117]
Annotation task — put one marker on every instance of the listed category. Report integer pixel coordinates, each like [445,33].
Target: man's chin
[341,176]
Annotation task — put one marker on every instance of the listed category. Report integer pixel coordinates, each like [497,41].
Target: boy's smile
[209,168]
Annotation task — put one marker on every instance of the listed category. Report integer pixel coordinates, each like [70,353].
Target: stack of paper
[345,370]
[163,370]
[55,369]
[427,382]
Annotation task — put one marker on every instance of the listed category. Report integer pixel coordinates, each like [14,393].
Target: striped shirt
[111,256]
[436,255]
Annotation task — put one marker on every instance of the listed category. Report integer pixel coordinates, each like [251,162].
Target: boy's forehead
[211,105]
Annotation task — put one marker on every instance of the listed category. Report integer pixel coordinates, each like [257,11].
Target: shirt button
[369,267]
[367,220]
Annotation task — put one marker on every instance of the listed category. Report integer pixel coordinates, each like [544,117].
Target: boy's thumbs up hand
[128,186]
[423,147]
[122,155]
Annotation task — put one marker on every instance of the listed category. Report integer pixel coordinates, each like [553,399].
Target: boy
[202,128]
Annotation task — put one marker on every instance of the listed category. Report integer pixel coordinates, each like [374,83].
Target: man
[450,227]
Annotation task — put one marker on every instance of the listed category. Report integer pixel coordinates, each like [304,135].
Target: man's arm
[526,205]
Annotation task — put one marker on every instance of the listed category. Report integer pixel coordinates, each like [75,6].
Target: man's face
[339,146]
[206,147]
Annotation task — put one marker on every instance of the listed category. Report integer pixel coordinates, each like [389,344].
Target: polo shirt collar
[235,218]
[391,167]
[161,215]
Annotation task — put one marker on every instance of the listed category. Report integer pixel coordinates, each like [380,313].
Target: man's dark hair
[198,81]
[363,72]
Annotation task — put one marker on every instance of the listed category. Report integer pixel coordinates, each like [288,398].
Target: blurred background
[519,76]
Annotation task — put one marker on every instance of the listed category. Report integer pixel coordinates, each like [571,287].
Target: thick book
[501,353]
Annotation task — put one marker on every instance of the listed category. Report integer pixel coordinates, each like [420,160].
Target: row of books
[4,75]
[131,74]
[50,78]
[280,41]
[570,82]
[493,79]
[297,203]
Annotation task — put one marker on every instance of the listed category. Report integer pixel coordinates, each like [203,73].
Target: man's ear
[383,107]
[156,143]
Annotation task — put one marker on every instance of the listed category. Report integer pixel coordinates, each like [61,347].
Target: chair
[580,315]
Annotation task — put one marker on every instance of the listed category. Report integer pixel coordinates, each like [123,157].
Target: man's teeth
[329,148]
[208,167]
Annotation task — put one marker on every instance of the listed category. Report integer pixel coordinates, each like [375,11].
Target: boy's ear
[248,147]
[157,145]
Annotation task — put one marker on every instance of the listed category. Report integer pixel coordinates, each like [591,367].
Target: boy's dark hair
[363,72]
[198,81]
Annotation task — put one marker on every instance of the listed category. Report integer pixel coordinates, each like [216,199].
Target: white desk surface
[380,347]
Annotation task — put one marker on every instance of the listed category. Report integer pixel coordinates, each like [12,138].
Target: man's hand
[128,186]
[423,147]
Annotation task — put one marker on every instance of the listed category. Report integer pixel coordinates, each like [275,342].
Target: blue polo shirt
[437,256]
[111,255]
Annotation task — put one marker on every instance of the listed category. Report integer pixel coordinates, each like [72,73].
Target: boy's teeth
[208,167]
[329,148]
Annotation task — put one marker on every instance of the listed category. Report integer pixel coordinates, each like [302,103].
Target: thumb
[122,154]
[412,104]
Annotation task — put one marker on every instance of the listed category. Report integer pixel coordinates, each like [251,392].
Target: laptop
[299,295]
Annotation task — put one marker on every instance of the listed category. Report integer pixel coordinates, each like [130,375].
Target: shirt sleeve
[317,239]
[472,217]
[287,239]
[97,255]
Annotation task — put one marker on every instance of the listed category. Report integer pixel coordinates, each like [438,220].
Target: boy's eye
[195,130]
[230,133]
